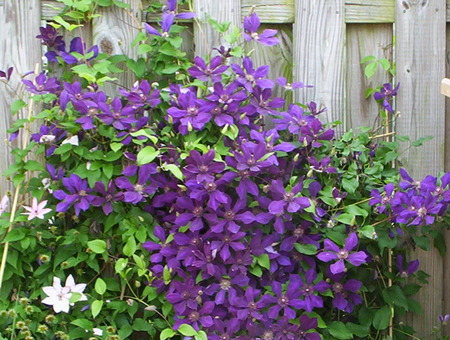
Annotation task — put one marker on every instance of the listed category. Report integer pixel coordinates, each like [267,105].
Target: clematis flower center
[82,193]
[229,215]
[338,287]
[308,290]
[198,211]
[343,254]
[210,187]
[138,188]
[225,284]
[194,316]
[252,306]
[192,110]
[283,301]
[251,161]
[250,78]
[92,112]
[422,211]
[225,337]
[299,232]
[203,168]
[289,196]
[116,115]
[267,335]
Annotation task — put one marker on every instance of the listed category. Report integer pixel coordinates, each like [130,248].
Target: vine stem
[25,140]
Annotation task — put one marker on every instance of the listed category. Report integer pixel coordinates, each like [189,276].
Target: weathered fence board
[365,40]
[114,31]
[205,38]
[420,31]
[319,54]
[19,22]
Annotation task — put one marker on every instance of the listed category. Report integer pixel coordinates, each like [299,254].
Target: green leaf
[356,210]
[358,330]
[17,106]
[370,69]
[368,58]
[201,336]
[175,170]
[17,179]
[395,296]
[97,246]
[147,155]
[385,64]
[368,231]
[33,166]
[144,49]
[339,331]
[83,323]
[130,246]
[100,286]
[15,235]
[420,141]
[167,333]
[187,330]
[96,307]
[382,318]
[346,219]
[350,185]
[121,4]
[121,264]
[422,242]
[307,249]
[264,261]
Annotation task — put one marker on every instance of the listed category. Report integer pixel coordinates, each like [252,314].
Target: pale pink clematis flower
[4,204]
[59,296]
[36,210]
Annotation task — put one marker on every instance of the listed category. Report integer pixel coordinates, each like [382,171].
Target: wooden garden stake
[25,140]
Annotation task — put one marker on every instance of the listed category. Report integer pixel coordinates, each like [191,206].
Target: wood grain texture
[278,58]
[447,168]
[205,37]
[114,31]
[271,11]
[420,31]
[320,55]
[19,22]
[369,11]
[363,41]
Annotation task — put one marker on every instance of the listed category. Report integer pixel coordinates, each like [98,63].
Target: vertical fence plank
[114,31]
[447,168]
[420,31]
[364,40]
[205,38]
[319,54]
[19,22]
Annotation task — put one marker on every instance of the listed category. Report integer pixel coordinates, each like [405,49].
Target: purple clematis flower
[291,86]
[107,196]
[386,94]
[116,115]
[285,301]
[197,317]
[79,195]
[246,305]
[167,20]
[382,200]
[342,255]
[204,72]
[293,120]
[6,74]
[307,328]
[136,193]
[202,168]
[251,26]
[413,266]
[42,85]
[308,290]
[183,295]
[248,76]
[172,8]
[290,200]
[345,293]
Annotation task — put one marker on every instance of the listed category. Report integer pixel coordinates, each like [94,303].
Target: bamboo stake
[25,140]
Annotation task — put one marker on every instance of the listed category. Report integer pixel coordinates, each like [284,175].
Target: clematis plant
[186,216]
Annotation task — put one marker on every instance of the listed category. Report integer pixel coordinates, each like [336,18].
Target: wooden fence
[322,43]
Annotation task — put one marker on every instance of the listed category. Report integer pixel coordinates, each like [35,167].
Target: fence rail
[322,43]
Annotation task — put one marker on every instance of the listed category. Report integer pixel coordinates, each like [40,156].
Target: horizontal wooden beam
[282,11]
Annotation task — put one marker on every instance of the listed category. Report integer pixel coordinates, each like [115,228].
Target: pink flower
[36,210]
[4,204]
